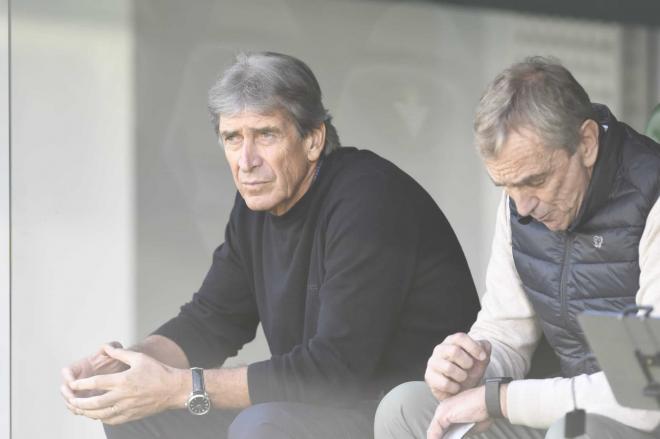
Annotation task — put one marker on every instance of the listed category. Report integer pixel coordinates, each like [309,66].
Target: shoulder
[354,173]
[640,163]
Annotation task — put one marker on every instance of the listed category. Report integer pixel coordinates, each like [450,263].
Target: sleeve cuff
[183,333]
[537,403]
[260,384]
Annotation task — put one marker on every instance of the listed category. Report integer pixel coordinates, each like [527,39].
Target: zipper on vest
[562,284]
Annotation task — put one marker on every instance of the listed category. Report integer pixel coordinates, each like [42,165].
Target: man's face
[547,184]
[271,164]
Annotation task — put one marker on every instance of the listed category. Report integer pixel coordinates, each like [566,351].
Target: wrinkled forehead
[522,153]
[253,119]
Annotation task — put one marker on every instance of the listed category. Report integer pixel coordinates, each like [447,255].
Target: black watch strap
[197,380]
[493,405]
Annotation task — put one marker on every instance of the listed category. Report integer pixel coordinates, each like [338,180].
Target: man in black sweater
[349,265]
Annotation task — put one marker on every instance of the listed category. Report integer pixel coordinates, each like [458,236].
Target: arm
[164,350]
[503,338]
[222,316]
[539,403]
[507,319]
[226,387]
[528,401]
[506,324]
[153,375]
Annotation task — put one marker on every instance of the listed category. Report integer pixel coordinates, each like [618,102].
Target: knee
[123,431]
[596,426]
[403,411]
[258,422]
[112,432]
[556,430]
[398,401]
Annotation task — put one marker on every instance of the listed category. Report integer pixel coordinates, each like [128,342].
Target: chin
[256,204]
[554,227]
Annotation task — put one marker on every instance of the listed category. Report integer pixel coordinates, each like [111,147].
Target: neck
[300,191]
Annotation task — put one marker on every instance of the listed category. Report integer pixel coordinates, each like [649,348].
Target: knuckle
[447,368]
[448,338]
[453,351]
[443,384]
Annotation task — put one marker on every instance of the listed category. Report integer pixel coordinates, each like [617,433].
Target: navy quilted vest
[594,265]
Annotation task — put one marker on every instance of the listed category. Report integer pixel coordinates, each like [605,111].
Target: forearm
[164,350]
[227,388]
[538,403]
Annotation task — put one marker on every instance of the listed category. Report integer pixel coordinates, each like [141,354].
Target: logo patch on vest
[598,241]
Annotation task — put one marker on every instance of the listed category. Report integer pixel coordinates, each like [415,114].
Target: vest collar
[605,169]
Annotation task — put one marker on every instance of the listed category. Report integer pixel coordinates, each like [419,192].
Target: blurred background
[114,191]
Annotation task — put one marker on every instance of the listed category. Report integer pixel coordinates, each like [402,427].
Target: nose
[249,158]
[525,202]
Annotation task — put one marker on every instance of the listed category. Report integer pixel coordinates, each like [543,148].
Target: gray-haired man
[347,263]
[578,229]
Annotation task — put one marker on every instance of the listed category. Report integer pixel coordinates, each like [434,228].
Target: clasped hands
[117,385]
[456,366]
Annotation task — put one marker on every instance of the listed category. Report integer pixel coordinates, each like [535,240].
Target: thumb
[124,355]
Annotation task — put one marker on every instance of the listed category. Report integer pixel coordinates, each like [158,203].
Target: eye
[232,140]
[267,137]
[538,181]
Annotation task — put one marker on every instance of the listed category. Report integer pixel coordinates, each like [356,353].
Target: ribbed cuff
[261,385]
[184,334]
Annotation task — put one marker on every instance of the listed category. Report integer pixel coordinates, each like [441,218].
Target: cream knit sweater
[508,321]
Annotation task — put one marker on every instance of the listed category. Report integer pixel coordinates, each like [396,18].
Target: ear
[588,148]
[314,143]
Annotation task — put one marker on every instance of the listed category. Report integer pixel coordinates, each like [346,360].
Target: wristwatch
[198,402]
[493,406]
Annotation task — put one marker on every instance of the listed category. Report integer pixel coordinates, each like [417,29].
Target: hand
[146,387]
[457,364]
[97,364]
[467,406]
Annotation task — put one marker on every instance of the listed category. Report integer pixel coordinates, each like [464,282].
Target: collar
[610,138]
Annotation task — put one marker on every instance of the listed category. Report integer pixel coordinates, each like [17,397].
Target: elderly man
[346,261]
[578,229]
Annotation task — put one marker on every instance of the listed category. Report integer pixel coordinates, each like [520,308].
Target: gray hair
[538,94]
[266,81]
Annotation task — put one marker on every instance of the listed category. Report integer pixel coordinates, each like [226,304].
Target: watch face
[199,404]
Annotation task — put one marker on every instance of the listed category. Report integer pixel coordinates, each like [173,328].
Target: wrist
[495,393]
[181,388]
[504,399]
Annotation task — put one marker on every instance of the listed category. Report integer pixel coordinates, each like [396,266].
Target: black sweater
[354,287]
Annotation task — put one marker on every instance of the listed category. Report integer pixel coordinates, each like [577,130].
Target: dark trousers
[273,420]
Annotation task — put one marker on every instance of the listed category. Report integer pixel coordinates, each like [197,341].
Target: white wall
[73,236]
[4,223]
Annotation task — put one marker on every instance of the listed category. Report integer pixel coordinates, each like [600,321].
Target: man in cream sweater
[578,229]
